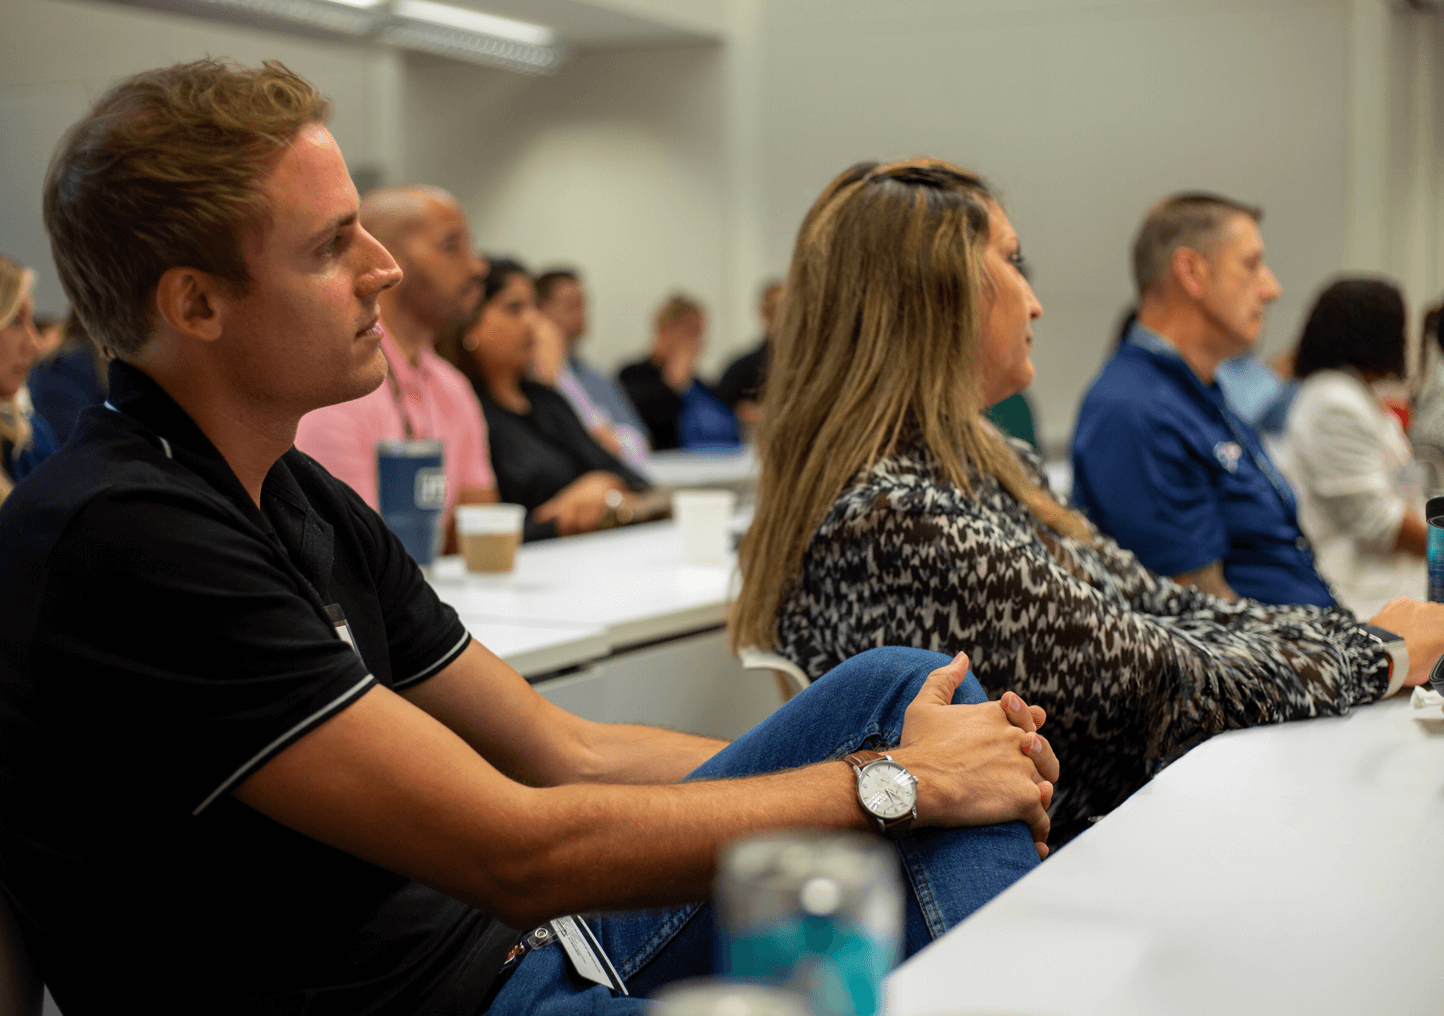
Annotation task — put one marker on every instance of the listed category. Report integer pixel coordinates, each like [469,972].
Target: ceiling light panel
[473,21]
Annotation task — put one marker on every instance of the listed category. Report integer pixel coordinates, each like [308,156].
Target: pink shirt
[440,404]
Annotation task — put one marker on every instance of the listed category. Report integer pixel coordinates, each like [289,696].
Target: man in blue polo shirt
[1161,463]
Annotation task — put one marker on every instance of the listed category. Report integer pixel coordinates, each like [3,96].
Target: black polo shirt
[163,639]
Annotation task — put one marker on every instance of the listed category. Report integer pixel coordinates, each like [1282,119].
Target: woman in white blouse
[1360,501]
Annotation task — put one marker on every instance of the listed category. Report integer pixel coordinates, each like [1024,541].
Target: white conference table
[1296,868]
[723,467]
[617,627]
[631,584]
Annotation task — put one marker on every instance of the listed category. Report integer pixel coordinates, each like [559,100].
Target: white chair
[1431,468]
[790,677]
[21,991]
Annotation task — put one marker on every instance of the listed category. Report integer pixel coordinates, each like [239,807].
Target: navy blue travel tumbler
[411,490]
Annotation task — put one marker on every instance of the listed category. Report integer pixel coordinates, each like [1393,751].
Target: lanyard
[1260,458]
[396,396]
[1155,343]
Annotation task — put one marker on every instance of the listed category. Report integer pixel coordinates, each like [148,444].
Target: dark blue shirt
[1163,466]
[61,387]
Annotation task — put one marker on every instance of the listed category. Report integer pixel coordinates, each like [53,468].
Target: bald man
[425,230]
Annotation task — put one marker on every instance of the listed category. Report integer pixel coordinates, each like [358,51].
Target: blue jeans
[949,872]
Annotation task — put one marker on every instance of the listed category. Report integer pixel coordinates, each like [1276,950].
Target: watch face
[887,789]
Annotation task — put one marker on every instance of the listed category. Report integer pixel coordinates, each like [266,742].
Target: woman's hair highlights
[876,342]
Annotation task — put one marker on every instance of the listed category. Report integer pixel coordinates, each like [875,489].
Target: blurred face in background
[1005,346]
[1237,285]
[503,338]
[19,346]
[768,308]
[682,334]
[441,281]
[51,336]
[567,306]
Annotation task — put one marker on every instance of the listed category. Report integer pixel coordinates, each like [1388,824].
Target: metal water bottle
[819,914]
[411,493]
[1434,515]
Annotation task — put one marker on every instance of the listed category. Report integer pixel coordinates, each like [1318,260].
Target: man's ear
[187,300]
[1191,269]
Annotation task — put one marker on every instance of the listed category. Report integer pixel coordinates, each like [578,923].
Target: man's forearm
[387,783]
[629,754]
[628,847]
[1210,579]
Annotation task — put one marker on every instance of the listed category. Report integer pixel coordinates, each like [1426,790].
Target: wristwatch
[887,792]
[1398,653]
[619,512]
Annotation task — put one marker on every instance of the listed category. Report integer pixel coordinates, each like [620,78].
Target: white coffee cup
[703,516]
[489,535]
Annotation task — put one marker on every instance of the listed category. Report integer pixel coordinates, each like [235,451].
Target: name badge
[583,950]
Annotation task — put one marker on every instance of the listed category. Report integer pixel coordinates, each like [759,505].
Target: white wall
[57,56]
[616,165]
[662,168]
[1082,115]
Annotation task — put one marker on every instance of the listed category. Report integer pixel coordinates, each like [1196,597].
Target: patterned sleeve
[1120,651]
[1132,668]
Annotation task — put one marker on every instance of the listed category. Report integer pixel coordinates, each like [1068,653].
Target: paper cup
[489,535]
[703,516]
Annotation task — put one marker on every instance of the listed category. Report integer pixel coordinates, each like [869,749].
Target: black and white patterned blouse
[1132,668]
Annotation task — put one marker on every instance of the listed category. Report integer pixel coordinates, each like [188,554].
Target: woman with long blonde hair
[25,438]
[889,512]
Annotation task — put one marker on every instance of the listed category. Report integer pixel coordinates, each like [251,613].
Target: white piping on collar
[164,444]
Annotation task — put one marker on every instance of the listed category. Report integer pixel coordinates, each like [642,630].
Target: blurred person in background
[889,514]
[542,454]
[679,409]
[69,378]
[1360,501]
[1161,462]
[52,333]
[423,396]
[25,438]
[1428,426]
[741,382]
[597,399]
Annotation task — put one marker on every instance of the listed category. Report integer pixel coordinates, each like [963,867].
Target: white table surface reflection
[724,467]
[632,583]
[1296,868]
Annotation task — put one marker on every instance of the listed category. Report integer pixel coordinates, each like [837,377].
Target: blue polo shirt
[1161,464]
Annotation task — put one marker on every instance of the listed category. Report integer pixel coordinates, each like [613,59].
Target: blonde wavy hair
[15,285]
[876,343]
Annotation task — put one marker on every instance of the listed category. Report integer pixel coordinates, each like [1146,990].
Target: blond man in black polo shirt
[251,763]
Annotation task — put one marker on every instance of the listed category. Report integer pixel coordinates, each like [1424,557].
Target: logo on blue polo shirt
[1228,453]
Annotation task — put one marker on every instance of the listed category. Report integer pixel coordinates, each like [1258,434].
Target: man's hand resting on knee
[977,764]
